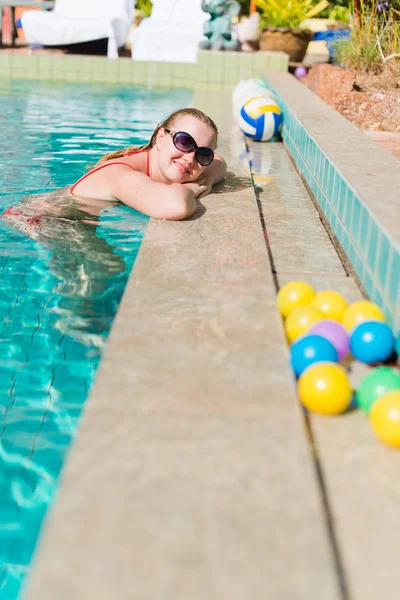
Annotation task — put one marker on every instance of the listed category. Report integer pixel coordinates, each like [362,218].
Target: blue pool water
[57,299]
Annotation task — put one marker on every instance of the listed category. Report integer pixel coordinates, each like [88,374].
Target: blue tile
[355,218]
[323,202]
[368,282]
[341,198]
[358,264]
[327,176]
[377,297]
[334,223]
[324,165]
[345,241]
[311,162]
[363,229]
[348,209]
[372,244]
[393,279]
[352,254]
[317,162]
[306,150]
[328,211]
[382,260]
[331,183]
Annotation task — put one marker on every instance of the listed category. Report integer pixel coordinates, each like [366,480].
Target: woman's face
[177,166]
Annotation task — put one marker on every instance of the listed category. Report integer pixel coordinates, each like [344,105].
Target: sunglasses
[185,143]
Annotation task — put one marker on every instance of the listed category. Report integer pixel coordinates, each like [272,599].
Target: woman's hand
[198,187]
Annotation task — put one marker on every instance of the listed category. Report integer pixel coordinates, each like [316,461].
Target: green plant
[288,13]
[145,7]
[359,53]
[375,36]
[341,14]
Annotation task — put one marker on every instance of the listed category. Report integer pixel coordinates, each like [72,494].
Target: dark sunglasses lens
[184,142]
[204,156]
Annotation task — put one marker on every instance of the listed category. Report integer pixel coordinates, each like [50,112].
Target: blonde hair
[168,123]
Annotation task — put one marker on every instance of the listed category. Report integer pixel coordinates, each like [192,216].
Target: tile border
[364,228]
[212,70]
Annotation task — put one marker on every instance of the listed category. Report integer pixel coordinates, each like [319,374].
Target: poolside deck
[196,474]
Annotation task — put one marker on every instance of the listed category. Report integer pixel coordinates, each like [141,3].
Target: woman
[161,180]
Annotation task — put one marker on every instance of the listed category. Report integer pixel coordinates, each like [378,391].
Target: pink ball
[300,72]
[335,333]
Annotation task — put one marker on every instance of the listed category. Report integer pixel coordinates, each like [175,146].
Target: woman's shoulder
[138,159]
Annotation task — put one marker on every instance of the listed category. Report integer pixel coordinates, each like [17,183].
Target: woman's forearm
[216,171]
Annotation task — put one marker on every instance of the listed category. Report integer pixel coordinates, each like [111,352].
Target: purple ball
[335,333]
[300,72]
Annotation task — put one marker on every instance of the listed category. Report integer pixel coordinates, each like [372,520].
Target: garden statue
[218,29]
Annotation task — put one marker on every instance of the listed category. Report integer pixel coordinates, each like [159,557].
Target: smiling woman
[161,179]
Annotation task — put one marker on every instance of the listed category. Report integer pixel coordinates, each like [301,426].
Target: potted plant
[280,25]
[142,10]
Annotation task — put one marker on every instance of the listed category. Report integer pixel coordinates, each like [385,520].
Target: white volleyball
[259,118]
[250,88]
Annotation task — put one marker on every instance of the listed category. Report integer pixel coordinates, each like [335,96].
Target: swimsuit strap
[109,164]
[71,189]
[148,158]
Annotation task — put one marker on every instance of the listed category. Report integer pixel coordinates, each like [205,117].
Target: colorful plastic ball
[293,294]
[361,311]
[377,383]
[325,388]
[372,341]
[397,345]
[300,72]
[385,419]
[335,333]
[331,303]
[300,320]
[311,349]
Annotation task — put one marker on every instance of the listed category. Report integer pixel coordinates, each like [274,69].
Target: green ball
[378,382]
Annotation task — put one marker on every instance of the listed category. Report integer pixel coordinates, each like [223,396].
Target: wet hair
[168,123]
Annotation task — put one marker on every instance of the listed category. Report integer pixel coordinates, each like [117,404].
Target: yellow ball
[385,418]
[293,294]
[361,311]
[300,320]
[325,388]
[331,303]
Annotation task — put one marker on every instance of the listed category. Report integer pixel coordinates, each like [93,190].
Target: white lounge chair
[74,21]
[172,32]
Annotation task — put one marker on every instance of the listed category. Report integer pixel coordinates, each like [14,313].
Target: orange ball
[300,320]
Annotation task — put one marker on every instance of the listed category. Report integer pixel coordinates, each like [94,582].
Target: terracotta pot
[292,41]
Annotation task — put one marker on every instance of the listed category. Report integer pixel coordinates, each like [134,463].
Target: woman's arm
[212,174]
[216,171]
[159,200]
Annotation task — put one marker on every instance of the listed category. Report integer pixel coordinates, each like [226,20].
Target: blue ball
[372,341]
[311,349]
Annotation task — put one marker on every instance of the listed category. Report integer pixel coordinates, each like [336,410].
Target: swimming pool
[57,301]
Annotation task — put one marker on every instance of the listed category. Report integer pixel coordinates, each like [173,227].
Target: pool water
[58,299]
